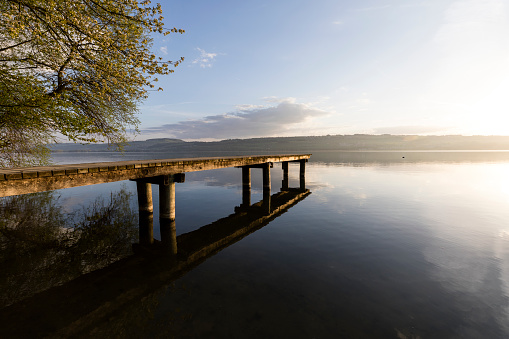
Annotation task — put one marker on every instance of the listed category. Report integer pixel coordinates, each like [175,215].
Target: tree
[75,67]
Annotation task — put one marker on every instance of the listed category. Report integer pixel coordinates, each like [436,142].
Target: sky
[292,68]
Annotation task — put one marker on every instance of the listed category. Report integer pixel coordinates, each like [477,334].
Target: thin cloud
[280,100]
[415,4]
[476,20]
[248,107]
[243,123]
[164,50]
[372,8]
[404,130]
[205,59]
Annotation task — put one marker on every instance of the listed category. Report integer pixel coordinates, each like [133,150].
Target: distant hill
[303,144]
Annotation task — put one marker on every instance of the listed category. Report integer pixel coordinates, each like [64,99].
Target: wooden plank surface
[15,181]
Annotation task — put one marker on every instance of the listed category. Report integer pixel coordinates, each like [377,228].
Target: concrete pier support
[303,174]
[166,185]
[266,186]
[286,180]
[144,190]
[146,213]
[246,186]
[167,198]
[266,179]
[167,214]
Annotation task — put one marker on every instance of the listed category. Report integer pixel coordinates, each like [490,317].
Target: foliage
[42,246]
[104,232]
[79,68]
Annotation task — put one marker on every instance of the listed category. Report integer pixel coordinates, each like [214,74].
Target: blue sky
[282,68]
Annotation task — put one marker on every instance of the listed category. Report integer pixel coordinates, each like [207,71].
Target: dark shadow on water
[76,280]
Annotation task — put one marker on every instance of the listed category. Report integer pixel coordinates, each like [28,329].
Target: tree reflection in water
[42,246]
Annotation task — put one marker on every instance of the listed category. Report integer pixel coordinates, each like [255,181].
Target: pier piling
[167,198]
[246,186]
[144,190]
[303,174]
[286,180]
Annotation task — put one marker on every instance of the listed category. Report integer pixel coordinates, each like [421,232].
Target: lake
[386,245]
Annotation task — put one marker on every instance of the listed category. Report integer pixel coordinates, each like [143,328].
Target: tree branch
[14,46]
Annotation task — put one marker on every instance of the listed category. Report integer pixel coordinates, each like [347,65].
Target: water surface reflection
[42,246]
[92,304]
[385,247]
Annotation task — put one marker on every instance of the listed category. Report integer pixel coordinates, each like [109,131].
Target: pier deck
[15,181]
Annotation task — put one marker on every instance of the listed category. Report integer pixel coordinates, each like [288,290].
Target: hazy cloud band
[244,123]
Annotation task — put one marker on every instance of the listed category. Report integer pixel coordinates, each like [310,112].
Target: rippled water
[387,245]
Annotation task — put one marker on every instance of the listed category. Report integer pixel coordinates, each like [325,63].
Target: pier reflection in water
[166,184]
[63,302]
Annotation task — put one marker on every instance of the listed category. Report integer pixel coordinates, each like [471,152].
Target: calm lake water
[386,245]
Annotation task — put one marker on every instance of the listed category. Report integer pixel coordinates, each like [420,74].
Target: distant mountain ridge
[303,144]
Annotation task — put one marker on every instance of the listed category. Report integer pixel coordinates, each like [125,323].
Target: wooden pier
[162,172]
[79,305]
[15,181]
